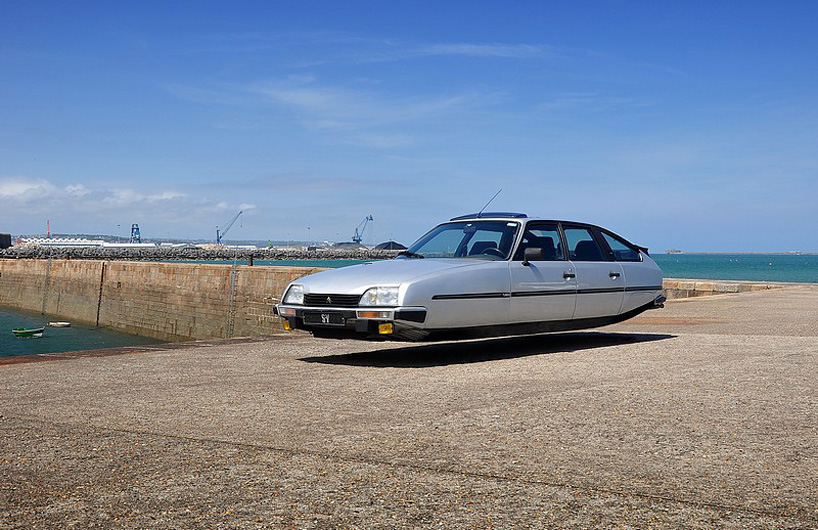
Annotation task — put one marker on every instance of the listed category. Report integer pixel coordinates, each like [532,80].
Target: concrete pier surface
[701,414]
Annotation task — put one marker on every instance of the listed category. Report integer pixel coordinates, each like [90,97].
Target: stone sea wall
[675,288]
[187,301]
[167,301]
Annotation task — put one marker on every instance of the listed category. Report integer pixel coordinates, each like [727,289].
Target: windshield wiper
[410,255]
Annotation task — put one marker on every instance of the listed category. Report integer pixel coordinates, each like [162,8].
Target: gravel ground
[702,414]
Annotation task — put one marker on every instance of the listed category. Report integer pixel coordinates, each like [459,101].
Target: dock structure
[702,414]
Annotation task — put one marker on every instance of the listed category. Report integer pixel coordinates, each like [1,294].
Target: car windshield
[466,239]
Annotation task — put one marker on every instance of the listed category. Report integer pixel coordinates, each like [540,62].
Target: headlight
[383,296]
[295,295]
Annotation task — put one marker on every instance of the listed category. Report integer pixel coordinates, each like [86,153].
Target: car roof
[515,216]
[484,215]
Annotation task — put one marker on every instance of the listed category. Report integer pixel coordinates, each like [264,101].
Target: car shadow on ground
[442,354]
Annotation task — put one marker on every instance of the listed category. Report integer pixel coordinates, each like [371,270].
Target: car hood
[356,279]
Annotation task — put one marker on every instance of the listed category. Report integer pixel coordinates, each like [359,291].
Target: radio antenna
[487,204]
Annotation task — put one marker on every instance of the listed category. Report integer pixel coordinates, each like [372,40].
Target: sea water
[78,337]
[800,268]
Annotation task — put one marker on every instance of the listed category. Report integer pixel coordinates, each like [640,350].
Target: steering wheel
[496,252]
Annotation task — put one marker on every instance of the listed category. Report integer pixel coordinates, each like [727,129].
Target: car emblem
[329,300]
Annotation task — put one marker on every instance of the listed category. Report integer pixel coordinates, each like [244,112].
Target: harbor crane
[359,231]
[227,227]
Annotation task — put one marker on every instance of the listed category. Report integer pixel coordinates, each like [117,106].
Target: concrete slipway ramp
[699,415]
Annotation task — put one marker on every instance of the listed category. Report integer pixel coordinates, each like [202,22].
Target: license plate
[324,319]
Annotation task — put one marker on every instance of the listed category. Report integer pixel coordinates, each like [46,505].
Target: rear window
[622,250]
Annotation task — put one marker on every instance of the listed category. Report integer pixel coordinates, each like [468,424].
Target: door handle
[614,275]
[569,274]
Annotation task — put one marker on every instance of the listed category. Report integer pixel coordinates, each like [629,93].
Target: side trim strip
[519,294]
[602,290]
[619,289]
[644,288]
[469,296]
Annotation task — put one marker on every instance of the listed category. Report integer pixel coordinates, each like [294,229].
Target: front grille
[332,300]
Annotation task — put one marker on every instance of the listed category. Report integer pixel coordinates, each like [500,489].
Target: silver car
[482,275]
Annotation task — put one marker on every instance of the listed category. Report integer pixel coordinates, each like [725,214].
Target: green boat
[33,333]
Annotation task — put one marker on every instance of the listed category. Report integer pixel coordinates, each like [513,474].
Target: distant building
[348,245]
[77,242]
[390,245]
[5,240]
[62,242]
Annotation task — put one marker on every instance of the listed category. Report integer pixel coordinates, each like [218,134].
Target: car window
[482,241]
[582,246]
[444,244]
[622,250]
[467,239]
[542,236]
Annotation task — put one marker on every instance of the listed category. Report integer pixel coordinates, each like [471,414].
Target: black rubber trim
[516,294]
[412,315]
[604,290]
[644,288]
[469,296]
[521,294]
[618,289]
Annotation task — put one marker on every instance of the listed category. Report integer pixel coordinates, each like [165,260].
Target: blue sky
[688,125]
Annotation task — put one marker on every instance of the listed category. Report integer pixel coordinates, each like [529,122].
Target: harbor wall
[675,288]
[182,301]
[166,301]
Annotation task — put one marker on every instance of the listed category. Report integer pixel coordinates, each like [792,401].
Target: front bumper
[364,322]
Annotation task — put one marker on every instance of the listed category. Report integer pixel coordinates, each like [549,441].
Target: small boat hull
[59,324]
[23,333]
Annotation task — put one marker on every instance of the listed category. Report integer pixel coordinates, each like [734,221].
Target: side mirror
[532,254]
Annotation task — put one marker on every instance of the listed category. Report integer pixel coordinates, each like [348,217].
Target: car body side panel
[541,292]
[600,288]
[477,296]
[643,283]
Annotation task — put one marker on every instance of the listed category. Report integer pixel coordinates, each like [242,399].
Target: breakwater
[675,288]
[166,301]
[190,254]
[190,301]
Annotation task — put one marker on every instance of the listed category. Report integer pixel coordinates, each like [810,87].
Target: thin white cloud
[344,46]
[27,202]
[333,108]
[17,189]
[128,197]
[44,195]
[508,51]
[77,190]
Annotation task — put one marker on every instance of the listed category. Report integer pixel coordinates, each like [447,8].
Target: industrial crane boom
[220,235]
[359,235]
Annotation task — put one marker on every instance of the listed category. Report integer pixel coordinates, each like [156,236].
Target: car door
[542,289]
[643,280]
[600,282]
